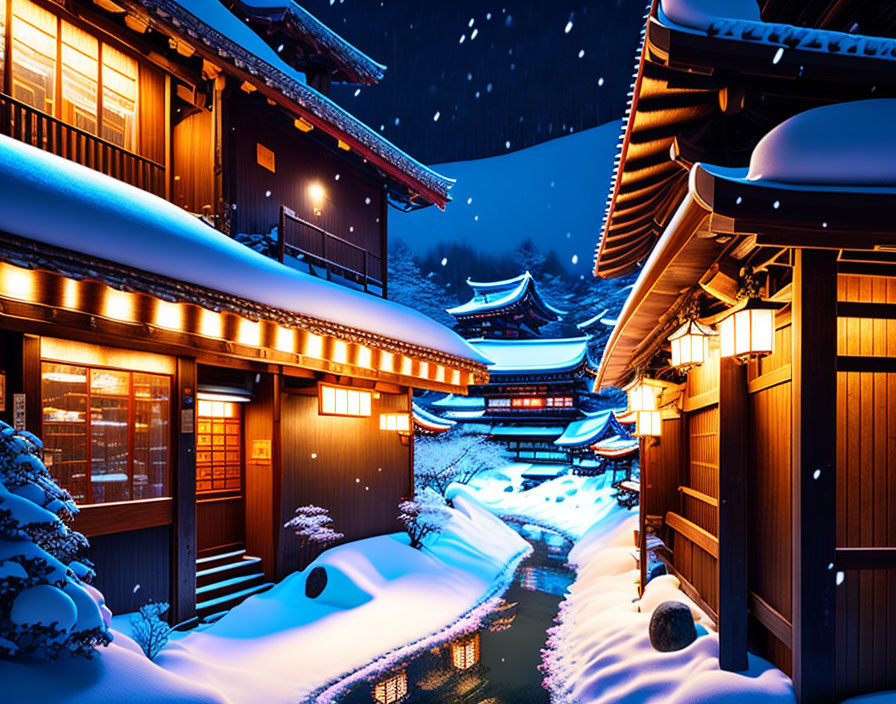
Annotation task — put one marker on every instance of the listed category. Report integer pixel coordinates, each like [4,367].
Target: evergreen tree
[47,606]
[409,286]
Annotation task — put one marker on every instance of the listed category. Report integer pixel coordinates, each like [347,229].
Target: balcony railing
[321,249]
[38,129]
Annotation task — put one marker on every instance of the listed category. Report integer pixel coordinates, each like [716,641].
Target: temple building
[510,309]
[754,191]
[191,392]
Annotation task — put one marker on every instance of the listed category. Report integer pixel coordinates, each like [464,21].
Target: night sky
[469,78]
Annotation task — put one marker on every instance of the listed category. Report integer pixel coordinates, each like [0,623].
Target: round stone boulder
[315,582]
[671,627]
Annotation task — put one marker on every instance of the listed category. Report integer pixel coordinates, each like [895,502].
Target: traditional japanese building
[509,309]
[757,343]
[191,392]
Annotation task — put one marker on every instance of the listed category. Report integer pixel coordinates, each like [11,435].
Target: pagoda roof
[217,34]
[527,431]
[538,355]
[589,430]
[314,38]
[457,401]
[707,88]
[430,421]
[491,297]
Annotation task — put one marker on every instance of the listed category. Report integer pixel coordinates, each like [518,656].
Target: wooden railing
[26,124]
[316,247]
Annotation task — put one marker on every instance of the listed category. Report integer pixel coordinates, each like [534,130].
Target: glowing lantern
[643,394]
[343,401]
[465,652]
[749,331]
[690,344]
[399,422]
[648,424]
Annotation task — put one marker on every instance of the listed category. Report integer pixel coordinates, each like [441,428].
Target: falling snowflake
[469,200]
[507,144]
[581,53]
[778,54]
[336,177]
[435,118]
[568,28]
[473,35]
[600,81]
[357,92]
[488,88]
[367,200]
[462,38]
[471,22]
[444,261]
[575,258]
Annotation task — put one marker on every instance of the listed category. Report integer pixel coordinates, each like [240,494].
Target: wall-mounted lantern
[690,344]
[648,424]
[336,400]
[749,329]
[317,193]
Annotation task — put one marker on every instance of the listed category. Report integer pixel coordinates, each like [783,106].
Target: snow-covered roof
[585,324]
[465,415]
[457,401]
[57,202]
[516,356]
[587,430]
[547,431]
[494,295]
[702,13]
[847,144]
[321,36]
[213,24]
[430,421]
[616,447]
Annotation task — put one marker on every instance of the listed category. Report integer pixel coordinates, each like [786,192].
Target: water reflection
[498,664]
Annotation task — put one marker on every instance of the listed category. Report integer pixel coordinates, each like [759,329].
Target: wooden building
[768,466]
[191,392]
[509,309]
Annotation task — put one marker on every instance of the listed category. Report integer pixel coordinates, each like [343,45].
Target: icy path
[568,505]
[600,652]
[281,646]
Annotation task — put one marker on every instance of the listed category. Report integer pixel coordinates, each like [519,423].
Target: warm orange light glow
[465,652]
[424,370]
[455,377]
[71,294]
[17,283]
[364,357]
[440,373]
[249,333]
[168,315]
[118,305]
[340,352]
[649,424]
[285,340]
[749,331]
[690,344]
[210,324]
[313,346]
[302,124]
[317,193]
[407,365]
[400,422]
[643,394]
[343,400]
[216,409]
[343,145]
[391,689]
[387,361]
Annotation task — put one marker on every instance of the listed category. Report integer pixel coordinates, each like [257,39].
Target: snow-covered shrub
[47,606]
[313,526]
[423,515]
[455,456]
[151,633]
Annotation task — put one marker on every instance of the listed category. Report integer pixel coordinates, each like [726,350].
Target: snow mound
[848,144]
[699,14]
[600,652]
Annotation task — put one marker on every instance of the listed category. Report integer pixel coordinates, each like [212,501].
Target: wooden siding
[360,472]
[132,567]
[219,522]
[152,118]
[352,206]
[866,487]
[260,424]
[193,161]
[768,496]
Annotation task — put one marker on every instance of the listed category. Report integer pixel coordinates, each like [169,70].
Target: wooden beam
[183,548]
[813,473]
[117,517]
[703,539]
[866,558]
[855,363]
[699,495]
[732,564]
[781,375]
[704,400]
[777,625]
[876,311]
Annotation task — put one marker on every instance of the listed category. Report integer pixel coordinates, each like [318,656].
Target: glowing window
[391,689]
[34,47]
[119,98]
[343,401]
[465,653]
[218,446]
[80,77]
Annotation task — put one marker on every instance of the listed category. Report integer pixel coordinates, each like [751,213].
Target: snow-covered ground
[568,504]
[281,646]
[600,652]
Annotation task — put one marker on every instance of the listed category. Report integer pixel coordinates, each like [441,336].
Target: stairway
[224,578]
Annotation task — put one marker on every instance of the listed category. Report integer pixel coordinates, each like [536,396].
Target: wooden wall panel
[703,467]
[125,560]
[359,473]
[353,202]
[219,522]
[193,163]
[661,460]
[260,497]
[152,117]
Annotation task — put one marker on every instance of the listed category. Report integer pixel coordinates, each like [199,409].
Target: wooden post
[183,544]
[732,563]
[813,474]
[642,514]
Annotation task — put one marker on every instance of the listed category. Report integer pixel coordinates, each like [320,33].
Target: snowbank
[600,652]
[845,144]
[281,646]
[699,14]
[569,505]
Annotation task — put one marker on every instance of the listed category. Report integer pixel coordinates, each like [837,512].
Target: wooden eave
[65,264]
[679,77]
[683,254]
[234,68]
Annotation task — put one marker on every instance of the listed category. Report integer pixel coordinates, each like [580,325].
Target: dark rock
[656,570]
[316,582]
[672,627]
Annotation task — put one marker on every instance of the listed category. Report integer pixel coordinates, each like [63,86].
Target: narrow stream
[499,663]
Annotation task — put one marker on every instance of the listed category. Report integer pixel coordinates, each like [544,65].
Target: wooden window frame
[229,492]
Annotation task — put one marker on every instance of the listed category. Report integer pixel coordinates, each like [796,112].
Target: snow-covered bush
[151,633]
[423,515]
[47,605]
[455,456]
[313,526]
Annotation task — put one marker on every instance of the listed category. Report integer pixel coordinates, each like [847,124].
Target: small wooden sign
[261,451]
[265,157]
[186,420]
[18,411]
